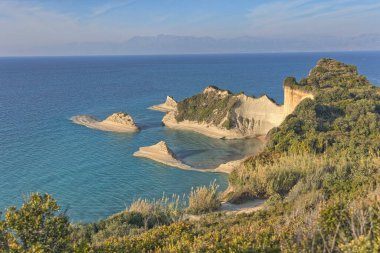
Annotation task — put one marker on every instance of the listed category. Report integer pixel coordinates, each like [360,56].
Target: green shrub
[210,107]
[158,212]
[37,226]
[203,199]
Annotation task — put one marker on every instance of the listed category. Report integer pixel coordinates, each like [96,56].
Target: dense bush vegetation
[320,173]
[344,117]
[203,199]
[210,107]
[35,227]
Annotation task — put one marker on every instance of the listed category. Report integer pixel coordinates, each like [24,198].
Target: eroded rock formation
[169,105]
[160,152]
[117,122]
[220,114]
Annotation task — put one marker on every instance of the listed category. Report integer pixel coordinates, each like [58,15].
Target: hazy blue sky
[30,27]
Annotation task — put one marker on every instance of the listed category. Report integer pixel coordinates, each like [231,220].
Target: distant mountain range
[173,44]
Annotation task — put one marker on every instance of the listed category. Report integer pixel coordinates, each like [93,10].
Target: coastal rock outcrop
[117,122]
[169,105]
[220,114]
[292,97]
[160,152]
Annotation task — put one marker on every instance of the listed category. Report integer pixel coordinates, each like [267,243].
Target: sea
[92,174]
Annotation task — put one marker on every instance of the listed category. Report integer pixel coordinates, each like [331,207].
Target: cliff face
[221,114]
[292,97]
[255,116]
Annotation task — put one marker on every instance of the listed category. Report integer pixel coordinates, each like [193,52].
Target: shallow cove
[93,173]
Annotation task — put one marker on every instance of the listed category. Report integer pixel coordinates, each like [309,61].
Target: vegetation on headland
[39,226]
[320,172]
[209,107]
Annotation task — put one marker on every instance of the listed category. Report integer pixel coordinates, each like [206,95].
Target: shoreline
[227,208]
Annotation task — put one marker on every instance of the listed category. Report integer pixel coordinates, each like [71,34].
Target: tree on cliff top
[35,227]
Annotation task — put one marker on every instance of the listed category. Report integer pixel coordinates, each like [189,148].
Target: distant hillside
[174,44]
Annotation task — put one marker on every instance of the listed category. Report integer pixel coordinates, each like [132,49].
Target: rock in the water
[117,122]
[122,119]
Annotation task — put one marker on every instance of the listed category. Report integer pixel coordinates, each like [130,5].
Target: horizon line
[192,54]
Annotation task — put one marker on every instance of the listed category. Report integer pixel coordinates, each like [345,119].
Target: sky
[70,27]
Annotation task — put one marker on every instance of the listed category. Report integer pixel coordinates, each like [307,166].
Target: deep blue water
[93,173]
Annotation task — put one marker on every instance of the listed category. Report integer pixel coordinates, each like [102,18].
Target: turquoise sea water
[93,173]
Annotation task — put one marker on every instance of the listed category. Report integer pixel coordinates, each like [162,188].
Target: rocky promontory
[169,105]
[219,113]
[160,152]
[117,122]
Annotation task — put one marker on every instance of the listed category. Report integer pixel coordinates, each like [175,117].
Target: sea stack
[117,122]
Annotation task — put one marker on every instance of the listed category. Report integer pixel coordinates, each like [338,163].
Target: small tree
[35,227]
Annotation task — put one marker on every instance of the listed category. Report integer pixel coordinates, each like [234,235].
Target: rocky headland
[117,122]
[169,105]
[218,113]
[161,153]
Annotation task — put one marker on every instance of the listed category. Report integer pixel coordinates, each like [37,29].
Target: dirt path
[230,209]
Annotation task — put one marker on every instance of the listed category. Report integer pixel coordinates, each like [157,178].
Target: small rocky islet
[117,122]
